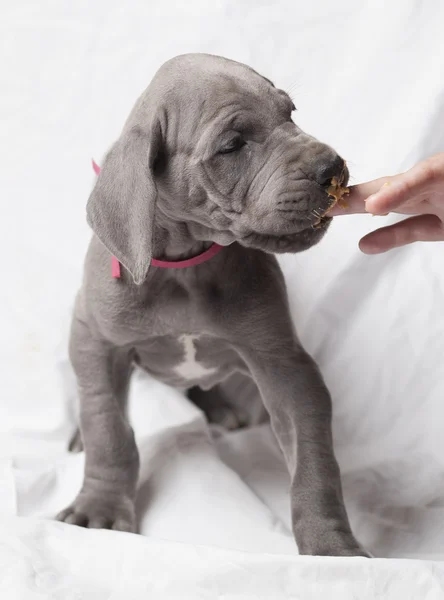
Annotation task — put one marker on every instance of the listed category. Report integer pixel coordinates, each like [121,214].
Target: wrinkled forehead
[237,100]
[212,95]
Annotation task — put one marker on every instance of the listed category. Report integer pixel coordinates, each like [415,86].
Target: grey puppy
[209,154]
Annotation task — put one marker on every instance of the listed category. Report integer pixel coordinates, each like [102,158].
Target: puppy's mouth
[335,192]
[288,242]
[318,222]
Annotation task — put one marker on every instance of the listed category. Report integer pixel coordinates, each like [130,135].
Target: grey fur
[167,191]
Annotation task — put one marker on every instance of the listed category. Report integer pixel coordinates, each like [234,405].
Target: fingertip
[365,249]
[367,246]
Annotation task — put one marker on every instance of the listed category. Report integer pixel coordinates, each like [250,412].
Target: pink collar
[167,264]
[176,264]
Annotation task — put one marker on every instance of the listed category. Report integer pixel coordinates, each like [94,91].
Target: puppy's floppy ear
[121,207]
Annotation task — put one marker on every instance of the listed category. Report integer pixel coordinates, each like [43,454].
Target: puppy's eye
[232,146]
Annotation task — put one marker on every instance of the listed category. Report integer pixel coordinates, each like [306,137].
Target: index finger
[354,202]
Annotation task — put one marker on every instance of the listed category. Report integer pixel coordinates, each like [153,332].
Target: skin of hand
[418,192]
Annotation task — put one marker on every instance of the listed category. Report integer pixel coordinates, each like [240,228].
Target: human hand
[418,192]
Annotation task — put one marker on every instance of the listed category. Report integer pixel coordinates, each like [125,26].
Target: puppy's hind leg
[234,403]
[76,443]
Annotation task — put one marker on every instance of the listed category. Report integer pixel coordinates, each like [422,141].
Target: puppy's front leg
[107,497]
[300,410]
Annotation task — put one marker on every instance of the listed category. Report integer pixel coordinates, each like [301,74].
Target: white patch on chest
[190,368]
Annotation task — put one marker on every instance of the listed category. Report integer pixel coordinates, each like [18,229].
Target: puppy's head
[212,144]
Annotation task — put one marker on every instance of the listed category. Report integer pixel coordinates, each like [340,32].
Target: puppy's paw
[100,512]
[332,543]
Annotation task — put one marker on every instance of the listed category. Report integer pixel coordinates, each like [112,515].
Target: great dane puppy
[209,154]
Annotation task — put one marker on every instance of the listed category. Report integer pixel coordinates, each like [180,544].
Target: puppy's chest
[176,337]
[187,359]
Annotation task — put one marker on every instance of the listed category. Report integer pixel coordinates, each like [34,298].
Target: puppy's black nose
[326,170]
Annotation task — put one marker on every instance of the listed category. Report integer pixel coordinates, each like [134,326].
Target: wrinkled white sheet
[367,78]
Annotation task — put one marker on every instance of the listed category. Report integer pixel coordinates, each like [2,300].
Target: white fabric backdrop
[366,78]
